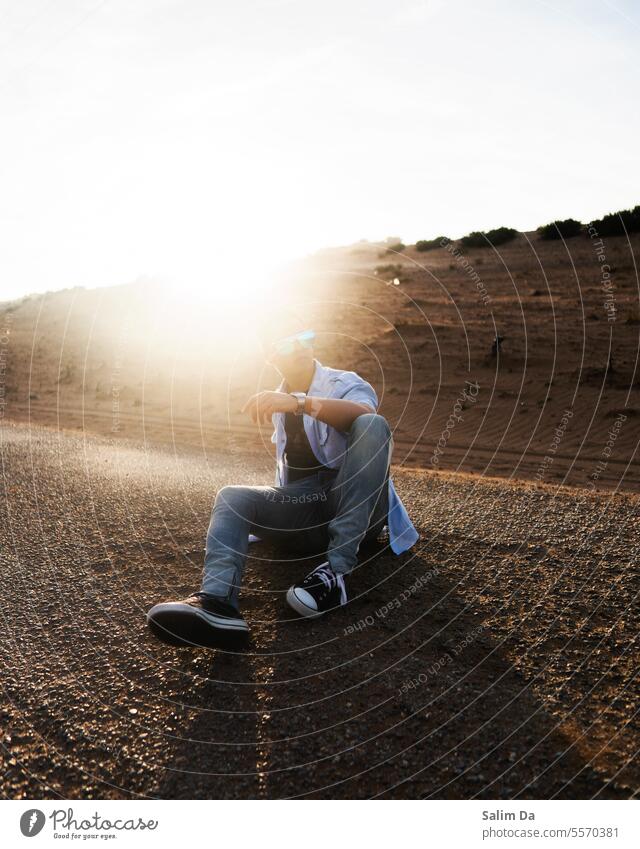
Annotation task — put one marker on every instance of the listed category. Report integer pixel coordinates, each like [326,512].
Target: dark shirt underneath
[299,458]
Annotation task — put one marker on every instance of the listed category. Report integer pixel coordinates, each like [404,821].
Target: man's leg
[280,514]
[357,506]
[211,617]
[359,495]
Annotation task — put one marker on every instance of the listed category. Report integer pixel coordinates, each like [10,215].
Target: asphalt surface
[498,658]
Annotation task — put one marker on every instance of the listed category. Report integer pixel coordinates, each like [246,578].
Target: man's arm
[339,413]
[336,412]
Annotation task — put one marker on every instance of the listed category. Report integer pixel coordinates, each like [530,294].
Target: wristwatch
[300,397]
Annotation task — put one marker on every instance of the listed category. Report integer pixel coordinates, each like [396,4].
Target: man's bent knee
[234,495]
[371,426]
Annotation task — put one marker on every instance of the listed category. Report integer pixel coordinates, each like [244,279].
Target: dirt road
[497,659]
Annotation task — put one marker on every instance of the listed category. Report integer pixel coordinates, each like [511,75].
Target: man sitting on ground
[333,491]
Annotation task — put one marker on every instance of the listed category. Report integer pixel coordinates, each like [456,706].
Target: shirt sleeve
[358,390]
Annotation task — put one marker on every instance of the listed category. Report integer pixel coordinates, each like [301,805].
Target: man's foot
[200,620]
[321,591]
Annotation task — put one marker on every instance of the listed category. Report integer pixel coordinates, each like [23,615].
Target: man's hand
[262,405]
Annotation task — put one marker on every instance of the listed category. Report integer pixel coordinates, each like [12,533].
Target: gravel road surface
[499,658]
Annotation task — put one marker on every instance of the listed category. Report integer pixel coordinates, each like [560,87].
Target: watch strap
[301,398]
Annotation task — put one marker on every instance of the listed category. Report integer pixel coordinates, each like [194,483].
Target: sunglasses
[285,347]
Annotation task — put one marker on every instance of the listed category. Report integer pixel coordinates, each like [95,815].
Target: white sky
[206,139]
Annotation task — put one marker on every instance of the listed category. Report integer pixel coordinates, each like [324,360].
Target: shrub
[389,270]
[67,374]
[479,239]
[432,244]
[501,235]
[474,240]
[634,315]
[560,229]
[615,223]
[396,248]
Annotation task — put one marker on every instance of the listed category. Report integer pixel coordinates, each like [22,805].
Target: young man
[332,491]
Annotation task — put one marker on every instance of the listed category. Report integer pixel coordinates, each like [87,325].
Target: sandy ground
[496,659]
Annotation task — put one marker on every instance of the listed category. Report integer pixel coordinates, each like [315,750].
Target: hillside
[558,404]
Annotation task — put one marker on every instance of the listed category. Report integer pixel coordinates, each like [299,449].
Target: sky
[203,142]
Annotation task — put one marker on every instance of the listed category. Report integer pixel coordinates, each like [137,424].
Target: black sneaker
[200,620]
[321,591]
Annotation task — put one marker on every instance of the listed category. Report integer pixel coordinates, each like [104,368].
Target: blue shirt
[329,445]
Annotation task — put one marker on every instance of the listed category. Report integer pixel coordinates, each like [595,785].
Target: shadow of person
[405,693]
[219,748]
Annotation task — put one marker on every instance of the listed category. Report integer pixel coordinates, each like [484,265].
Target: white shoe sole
[183,625]
[211,618]
[304,610]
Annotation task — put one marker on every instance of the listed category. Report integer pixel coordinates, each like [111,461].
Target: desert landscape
[135,361]
[510,377]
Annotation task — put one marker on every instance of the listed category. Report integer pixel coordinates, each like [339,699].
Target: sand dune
[124,360]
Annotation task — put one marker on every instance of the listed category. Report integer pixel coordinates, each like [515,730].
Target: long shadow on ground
[405,693]
[496,659]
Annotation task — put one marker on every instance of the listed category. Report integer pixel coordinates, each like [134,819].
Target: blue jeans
[328,513]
